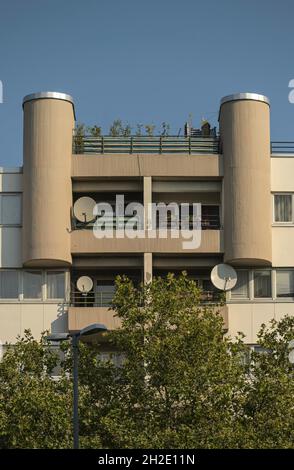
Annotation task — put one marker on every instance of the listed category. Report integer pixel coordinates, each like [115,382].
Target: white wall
[282,171]
[248,317]
[282,180]
[283,246]
[15,317]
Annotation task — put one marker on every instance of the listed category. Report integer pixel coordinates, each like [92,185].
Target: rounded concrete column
[47,192]
[245,142]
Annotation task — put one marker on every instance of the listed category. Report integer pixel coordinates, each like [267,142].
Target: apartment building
[242,180]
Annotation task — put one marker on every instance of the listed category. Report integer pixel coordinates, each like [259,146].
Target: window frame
[286,298]
[43,299]
[247,271]
[45,293]
[271,284]
[13,194]
[12,299]
[281,223]
[33,299]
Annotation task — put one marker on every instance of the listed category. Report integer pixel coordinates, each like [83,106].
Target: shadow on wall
[60,324]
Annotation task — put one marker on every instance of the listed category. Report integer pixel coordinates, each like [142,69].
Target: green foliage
[79,132]
[94,131]
[139,130]
[116,128]
[180,377]
[149,129]
[269,407]
[182,382]
[35,411]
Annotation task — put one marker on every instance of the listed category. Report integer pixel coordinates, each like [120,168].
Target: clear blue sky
[144,61]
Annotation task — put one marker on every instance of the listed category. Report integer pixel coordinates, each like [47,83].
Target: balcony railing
[159,145]
[104,298]
[145,144]
[91,299]
[208,222]
[282,147]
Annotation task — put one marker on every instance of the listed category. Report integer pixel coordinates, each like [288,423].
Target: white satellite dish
[223,277]
[84,284]
[83,209]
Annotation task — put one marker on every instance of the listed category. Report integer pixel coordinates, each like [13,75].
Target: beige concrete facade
[47,196]
[202,166]
[241,181]
[79,318]
[84,242]
[245,140]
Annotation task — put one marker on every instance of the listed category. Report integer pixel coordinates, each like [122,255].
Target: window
[262,284]
[32,284]
[241,290]
[115,357]
[283,208]
[285,283]
[9,284]
[209,291]
[104,294]
[210,218]
[55,285]
[10,209]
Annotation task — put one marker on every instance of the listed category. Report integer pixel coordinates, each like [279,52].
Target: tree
[139,130]
[149,128]
[35,410]
[116,128]
[268,416]
[182,382]
[79,133]
[94,131]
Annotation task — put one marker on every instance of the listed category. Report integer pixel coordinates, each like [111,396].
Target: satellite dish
[223,277]
[83,209]
[84,284]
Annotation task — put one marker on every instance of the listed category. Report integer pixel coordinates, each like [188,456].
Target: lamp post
[87,331]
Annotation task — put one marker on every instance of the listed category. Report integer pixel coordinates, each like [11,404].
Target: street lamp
[87,331]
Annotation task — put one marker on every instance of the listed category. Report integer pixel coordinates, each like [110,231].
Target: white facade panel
[282,171]
[283,246]
[248,317]
[16,317]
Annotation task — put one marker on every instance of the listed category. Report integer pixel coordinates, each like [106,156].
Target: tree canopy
[181,381]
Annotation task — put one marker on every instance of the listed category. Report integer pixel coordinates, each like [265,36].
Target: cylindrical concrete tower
[47,192]
[245,141]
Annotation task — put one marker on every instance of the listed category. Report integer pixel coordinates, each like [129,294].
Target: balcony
[83,242]
[80,317]
[93,308]
[144,144]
